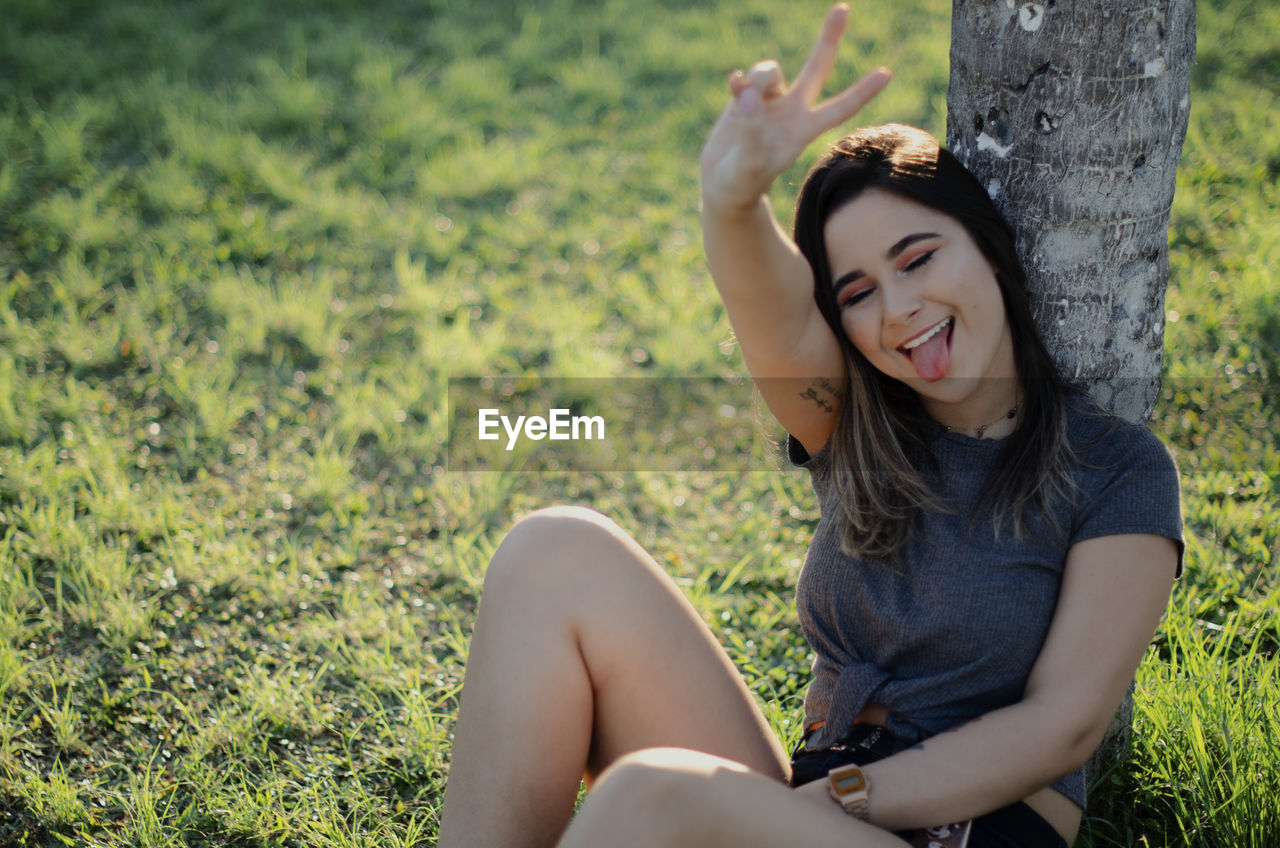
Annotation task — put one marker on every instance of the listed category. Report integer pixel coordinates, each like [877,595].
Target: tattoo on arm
[824,393]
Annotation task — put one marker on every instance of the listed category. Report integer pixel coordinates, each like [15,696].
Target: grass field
[243,246]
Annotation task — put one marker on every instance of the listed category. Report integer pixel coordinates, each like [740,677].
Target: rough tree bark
[1073,115]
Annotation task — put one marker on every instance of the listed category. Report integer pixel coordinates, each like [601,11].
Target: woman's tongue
[932,358]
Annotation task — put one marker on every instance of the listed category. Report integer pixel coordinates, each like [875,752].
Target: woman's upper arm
[1114,591]
[804,388]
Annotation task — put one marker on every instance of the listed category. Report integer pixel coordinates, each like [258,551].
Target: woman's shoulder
[1126,479]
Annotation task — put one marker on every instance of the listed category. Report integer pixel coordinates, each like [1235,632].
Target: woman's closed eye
[917,262]
[856,297]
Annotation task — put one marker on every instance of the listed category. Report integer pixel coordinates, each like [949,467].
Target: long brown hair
[880,455]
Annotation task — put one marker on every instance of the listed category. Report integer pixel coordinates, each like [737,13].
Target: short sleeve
[800,458]
[818,465]
[1134,489]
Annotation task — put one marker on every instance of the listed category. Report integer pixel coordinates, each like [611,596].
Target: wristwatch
[849,788]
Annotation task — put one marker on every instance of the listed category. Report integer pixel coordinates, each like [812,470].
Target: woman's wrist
[732,208]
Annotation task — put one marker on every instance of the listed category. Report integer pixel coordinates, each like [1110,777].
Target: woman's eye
[919,261]
[856,297]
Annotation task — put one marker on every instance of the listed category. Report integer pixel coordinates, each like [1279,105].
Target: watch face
[847,783]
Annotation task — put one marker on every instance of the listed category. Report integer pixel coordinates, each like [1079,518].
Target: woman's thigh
[657,675]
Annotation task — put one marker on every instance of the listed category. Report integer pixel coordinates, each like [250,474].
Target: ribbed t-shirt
[953,632]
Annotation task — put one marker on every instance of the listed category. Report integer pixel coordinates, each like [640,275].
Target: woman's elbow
[1074,731]
[1083,738]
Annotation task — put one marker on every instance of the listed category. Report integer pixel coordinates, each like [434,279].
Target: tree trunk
[1073,115]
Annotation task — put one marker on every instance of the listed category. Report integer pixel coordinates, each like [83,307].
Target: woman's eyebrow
[905,242]
[851,277]
[892,253]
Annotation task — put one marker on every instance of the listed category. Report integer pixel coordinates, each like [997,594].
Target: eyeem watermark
[528,423]
[525,423]
[558,426]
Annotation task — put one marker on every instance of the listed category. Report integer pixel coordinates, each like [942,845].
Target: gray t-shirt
[954,632]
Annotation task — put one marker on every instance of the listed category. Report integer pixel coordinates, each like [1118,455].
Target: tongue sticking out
[932,358]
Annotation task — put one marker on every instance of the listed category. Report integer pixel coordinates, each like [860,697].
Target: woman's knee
[551,543]
[665,787]
[567,518]
[673,789]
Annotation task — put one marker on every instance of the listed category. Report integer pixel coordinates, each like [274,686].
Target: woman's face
[919,300]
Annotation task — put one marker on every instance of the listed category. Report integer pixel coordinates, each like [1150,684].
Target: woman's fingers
[822,58]
[766,77]
[768,124]
[766,82]
[836,110]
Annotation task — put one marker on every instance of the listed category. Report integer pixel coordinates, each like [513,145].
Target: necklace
[982,428]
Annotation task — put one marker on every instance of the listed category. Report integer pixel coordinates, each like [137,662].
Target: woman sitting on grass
[992,559]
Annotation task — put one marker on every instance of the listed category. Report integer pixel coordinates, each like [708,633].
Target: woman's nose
[901,302]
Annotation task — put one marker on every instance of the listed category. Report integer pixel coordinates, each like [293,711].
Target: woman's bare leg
[584,650]
[665,796]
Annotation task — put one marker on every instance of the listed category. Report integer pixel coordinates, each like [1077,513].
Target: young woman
[992,560]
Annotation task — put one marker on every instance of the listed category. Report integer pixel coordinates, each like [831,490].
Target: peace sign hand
[768,125]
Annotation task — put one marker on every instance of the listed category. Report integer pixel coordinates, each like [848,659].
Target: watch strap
[848,786]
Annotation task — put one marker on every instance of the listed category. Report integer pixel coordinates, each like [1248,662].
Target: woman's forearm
[764,281]
[990,762]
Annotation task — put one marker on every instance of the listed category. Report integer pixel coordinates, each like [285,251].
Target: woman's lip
[906,351]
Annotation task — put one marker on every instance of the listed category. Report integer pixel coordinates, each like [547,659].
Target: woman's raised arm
[764,281]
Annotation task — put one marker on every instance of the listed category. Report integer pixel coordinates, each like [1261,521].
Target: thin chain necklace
[979,430]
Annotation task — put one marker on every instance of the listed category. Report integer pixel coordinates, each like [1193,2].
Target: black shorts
[1014,826]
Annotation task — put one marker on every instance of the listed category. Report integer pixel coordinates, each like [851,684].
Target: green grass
[244,246]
